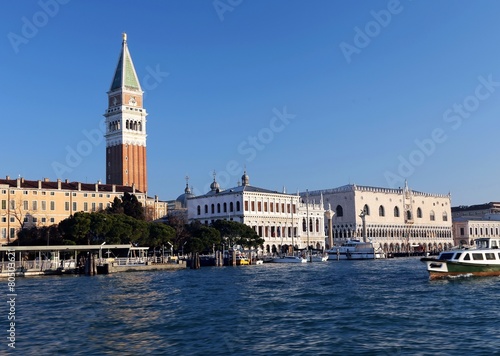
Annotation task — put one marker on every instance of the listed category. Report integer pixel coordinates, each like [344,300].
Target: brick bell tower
[126,126]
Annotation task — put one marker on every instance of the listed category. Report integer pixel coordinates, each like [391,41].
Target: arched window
[317,225]
[432,216]
[231,207]
[408,215]
[237,206]
[304,225]
[225,207]
[381,211]
[310,224]
[199,210]
[396,212]
[206,209]
[366,209]
[212,208]
[419,213]
[218,208]
[445,218]
[339,211]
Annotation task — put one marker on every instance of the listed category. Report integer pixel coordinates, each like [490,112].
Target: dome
[184,197]
[245,179]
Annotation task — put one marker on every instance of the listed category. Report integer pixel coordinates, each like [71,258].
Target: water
[382,307]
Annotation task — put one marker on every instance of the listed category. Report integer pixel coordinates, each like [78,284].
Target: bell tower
[126,126]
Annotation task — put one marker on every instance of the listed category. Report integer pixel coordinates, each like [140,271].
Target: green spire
[125,76]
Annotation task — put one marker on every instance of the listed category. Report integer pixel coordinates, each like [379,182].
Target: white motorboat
[318,257]
[355,250]
[289,259]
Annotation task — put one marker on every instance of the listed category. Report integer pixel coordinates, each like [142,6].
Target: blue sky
[305,95]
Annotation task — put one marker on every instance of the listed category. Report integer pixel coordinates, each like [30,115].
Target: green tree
[128,205]
[203,238]
[235,233]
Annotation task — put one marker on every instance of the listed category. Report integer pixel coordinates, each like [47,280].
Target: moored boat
[289,259]
[355,250]
[482,260]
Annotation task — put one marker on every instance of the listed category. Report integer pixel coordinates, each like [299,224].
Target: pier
[90,260]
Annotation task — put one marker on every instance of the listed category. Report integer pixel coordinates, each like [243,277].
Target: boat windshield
[446,256]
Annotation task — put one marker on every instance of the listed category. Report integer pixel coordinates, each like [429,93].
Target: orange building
[28,203]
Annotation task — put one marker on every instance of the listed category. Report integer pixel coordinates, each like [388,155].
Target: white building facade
[282,220]
[397,220]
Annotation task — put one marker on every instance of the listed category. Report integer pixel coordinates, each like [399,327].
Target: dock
[80,259]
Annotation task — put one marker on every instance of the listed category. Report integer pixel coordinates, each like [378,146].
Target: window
[246,205]
[25,205]
[231,207]
[271,206]
[253,205]
[419,213]
[12,233]
[218,208]
[52,220]
[44,220]
[101,206]
[432,216]
[238,206]
[212,208]
[35,220]
[75,207]
[396,212]
[490,256]
[366,209]
[4,204]
[381,211]
[259,206]
[304,225]
[477,256]
[282,207]
[85,206]
[34,205]
[35,192]
[445,216]
[462,231]
[206,209]
[66,206]
[12,204]
[66,194]
[4,233]
[93,206]
[339,211]
[198,210]
[225,207]
[44,205]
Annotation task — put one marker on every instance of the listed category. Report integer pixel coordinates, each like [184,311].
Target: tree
[128,205]
[203,238]
[235,233]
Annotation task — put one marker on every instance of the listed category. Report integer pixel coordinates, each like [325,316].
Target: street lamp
[183,248]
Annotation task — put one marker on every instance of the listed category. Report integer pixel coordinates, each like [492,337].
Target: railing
[38,265]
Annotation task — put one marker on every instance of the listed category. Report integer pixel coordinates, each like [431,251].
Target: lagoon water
[380,307]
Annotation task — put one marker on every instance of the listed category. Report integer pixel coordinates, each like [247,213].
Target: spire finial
[124,36]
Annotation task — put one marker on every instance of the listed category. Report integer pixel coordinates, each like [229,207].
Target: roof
[484,206]
[65,185]
[125,76]
[69,247]
[240,189]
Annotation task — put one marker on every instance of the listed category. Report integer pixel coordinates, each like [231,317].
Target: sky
[304,95]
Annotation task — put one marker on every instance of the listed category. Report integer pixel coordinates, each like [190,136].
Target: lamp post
[183,248]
